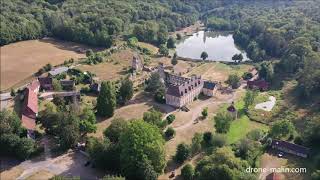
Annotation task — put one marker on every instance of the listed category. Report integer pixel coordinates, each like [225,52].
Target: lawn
[218,71]
[242,126]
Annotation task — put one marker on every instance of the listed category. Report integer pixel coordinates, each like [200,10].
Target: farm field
[20,60]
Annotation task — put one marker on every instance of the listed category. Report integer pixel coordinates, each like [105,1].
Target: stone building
[181,91]
[136,63]
[209,88]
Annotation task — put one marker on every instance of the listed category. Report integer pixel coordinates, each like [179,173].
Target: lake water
[219,46]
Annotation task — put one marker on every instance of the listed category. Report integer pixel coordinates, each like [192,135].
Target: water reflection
[219,46]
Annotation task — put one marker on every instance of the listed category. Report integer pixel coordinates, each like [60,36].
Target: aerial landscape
[160,90]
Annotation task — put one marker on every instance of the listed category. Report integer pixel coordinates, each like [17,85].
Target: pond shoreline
[219,45]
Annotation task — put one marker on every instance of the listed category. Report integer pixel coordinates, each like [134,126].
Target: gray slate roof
[58,70]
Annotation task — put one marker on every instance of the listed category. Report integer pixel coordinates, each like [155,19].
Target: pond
[219,46]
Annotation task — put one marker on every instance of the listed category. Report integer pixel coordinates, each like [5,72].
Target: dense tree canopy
[142,151]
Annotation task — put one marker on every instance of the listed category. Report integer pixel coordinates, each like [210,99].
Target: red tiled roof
[34,85]
[28,123]
[259,83]
[31,100]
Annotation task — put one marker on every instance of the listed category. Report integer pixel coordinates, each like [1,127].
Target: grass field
[22,59]
[117,65]
[242,126]
[218,71]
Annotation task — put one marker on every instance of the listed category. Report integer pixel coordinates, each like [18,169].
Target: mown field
[21,60]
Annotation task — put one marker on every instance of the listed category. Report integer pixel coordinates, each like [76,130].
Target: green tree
[207,138]
[154,117]
[204,55]
[222,122]
[88,121]
[154,83]
[281,129]
[237,57]
[126,90]
[169,133]
[25,148]
[114,131]
[183,153]
[69,130]
[106,102]
[218,140]
[266,71]
[132,42]
[56,85]
[171,43]
[170,118]
[233,81]
[143,143]
[187,172]
[196,143]
[9,123]
[12,93]
[205,112]
[163,50]
[249,98]
[174,60]
[179,37]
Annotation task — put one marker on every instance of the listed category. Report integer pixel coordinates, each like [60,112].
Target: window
[181,93]
[185,91]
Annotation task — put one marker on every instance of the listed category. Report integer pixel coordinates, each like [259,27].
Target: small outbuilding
[209,88]
[260,84]
[67,85]
[58,71]
[46,83]
[290,148]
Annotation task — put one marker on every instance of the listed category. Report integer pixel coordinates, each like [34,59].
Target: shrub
[187,172]
[204,112]
[183,153]
[170,132]
[171,118]
[207,138]
[247,75]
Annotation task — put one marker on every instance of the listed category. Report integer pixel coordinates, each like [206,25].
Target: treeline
[91,22]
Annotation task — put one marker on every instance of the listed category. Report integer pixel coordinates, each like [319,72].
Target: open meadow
[19,61]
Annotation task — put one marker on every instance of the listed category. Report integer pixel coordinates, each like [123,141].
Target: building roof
[58,70]
[31,100]
[209,85]
[290,146]
[95,87]
[45,80]
[28,123]
[34,85]
[261,83]
[66,82]
[174,90]
[273,176]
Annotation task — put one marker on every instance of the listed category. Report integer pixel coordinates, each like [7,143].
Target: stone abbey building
[182,90]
